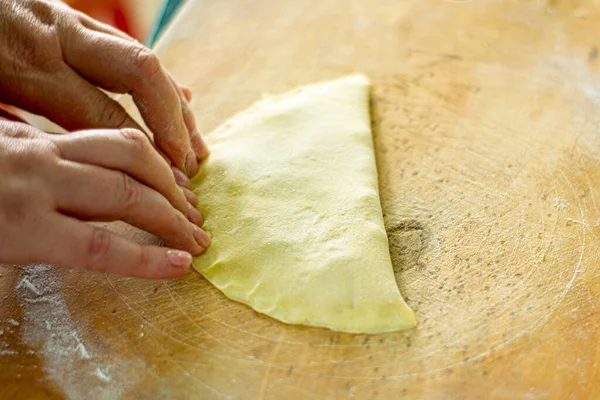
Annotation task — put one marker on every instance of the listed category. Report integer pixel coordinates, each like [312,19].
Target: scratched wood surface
[486,116]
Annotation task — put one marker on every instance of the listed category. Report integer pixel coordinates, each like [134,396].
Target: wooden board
[486,117]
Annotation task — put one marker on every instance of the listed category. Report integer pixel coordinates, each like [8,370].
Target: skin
[53,60]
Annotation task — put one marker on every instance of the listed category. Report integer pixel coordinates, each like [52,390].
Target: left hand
[53,184]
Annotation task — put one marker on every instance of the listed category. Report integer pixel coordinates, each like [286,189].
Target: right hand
[53,60]
[52,184]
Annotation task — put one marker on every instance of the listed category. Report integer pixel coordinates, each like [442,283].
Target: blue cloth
[169,9]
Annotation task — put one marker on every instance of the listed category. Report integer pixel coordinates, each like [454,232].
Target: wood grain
[486,118]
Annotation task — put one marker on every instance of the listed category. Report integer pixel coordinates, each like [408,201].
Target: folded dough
[290,197]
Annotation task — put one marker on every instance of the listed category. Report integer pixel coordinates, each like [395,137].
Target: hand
[53,59]
[51,184]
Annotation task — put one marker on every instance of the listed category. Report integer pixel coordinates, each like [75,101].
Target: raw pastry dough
[290,197]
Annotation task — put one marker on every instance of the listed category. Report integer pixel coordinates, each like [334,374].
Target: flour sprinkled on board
[70,359]
[5,349]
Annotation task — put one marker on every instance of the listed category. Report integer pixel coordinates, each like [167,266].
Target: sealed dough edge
[291,200]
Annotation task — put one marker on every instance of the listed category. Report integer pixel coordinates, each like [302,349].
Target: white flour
[5,349]
[71,361]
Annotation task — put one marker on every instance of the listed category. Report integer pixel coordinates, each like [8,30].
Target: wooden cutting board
[486,116]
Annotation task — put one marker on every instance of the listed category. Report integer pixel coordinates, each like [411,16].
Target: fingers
[18,130]
[98,26]
[126,150]
[128,67]
[191,197]
[181,178]
[84,54]
[113,195]
[77,103]
[75,244]
[187,93]
[198,145]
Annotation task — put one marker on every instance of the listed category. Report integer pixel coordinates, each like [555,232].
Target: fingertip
[176,148]
[190,197]
[173,264]
[181,178]
[179,261]
[202,238]
[187,93]
[194,216]
[191,164]
[199,146]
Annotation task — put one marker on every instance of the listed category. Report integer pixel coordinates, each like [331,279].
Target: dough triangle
[290,198]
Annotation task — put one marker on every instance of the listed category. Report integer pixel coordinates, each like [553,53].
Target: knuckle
[16,130]
[181,221]
[44,12]
[181,224]
[173,223]
[172,148]
[55,150]
[17,208]
[44,152]
[98,249]
[146,63]
[130,192]
[113,114]
[144,258]
[135,138]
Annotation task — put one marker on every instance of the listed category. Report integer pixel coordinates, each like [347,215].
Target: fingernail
[201,237]
[191,164]
[199,146]
[179,259]
[194,215]
[190,197]
[181,178]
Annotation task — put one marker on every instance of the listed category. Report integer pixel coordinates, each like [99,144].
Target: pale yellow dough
[290,198]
